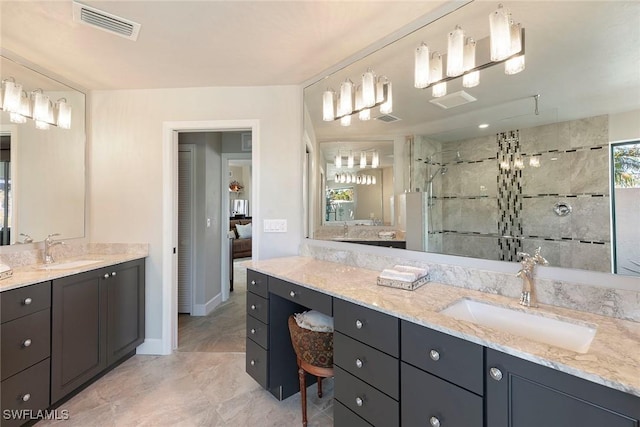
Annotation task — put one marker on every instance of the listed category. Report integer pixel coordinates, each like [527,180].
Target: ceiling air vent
[105,21]
[453,100]
[387,118]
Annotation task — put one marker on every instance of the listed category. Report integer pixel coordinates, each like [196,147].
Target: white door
[186,186]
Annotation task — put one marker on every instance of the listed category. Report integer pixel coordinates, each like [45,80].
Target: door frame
[169,340]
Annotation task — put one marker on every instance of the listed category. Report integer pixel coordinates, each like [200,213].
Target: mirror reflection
[42,164]
[520,160]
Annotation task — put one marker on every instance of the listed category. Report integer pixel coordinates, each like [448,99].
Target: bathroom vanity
[400,361]
[63,328]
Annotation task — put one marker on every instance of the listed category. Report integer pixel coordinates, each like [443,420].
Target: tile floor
[203,383]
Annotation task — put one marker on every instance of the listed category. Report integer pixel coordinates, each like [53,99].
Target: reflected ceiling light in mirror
[534,162]
[338,161]
[500,34]
[363,160]
[11,93]
[375,160]
[483,125]
[36,106]
[350,160]
[346,98]
[63,110]
[455,52]
[368,89]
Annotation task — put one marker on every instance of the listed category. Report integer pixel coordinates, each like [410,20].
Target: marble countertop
[30,274]
[613,358]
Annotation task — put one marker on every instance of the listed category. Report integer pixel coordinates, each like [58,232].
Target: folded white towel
[419,272]
[403,276]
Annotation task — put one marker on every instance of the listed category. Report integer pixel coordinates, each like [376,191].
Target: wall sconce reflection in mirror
[374,91]
[35,105]
[505,44]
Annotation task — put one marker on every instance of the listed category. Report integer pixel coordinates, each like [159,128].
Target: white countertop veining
[30,274]
[613,359]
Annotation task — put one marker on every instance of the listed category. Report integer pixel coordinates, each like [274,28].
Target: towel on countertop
[403,273]
[420,272]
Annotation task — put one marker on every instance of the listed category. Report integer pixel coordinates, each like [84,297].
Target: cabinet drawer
[343,417]
[306,297]
[22,301]
[425,396]
[33,382]
[25,341]
[258,307]
[371,327]
[374,406]
[258,332]
[453,359]
[256,363]
[370,365]
[257,283]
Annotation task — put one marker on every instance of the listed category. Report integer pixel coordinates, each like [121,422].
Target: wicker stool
[314,351]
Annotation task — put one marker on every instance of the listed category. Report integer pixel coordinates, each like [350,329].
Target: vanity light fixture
[351,99]
[36,105]
[504,45]
[352,178]
[11,92]
[350,164]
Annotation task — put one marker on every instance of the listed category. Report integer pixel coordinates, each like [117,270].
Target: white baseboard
[152,346]
[205,309]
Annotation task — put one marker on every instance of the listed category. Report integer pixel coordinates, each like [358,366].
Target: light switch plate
[275,226]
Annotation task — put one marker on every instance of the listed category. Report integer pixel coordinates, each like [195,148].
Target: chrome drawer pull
[253,282]
[253,331]
[434,355]
[26,343]
[106,276]
[359,324]
[359,363]
[113,274]
[253,363]
[25,397]
[434,422]
[495,373]
[292,294]
[359,401]
[27,301]
[253,306]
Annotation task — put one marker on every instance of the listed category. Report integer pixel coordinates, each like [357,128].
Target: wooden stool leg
[303,395]
[319,386]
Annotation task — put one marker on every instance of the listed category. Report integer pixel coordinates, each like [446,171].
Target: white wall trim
[169,216]
[208,307]
[151,346]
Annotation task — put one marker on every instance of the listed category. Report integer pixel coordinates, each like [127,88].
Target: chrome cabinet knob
[359,324]
[25,397]
[113,273]
[434,355]
[253,282]
[27,301]
[253,306]
[253,363]
[359,363]
[359,401]
[26,343]
[495,373]
[434,422]
[106,276]
[292,294]
[253,331]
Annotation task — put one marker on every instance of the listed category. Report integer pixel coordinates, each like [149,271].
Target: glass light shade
[534,162]
[17,118]
[40,106]
[504,165]
[338,161]
[42,125]
[375,160]
[518,163]
[346,97]
[24,110]
[358,98]
[439,90]
[363,160]
[435,73]
[469,60]
[365,114]
[455,52]
[421,71]
[514,65]
[471,79]
[500,34]
[345,120]
[368,179]
[380,89]
[12,92]
[387,106]
[373,180]
[350,160]
[368,89]
[328,105]
[515,31]
[63,109]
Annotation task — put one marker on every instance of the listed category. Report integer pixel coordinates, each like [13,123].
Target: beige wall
[125,167]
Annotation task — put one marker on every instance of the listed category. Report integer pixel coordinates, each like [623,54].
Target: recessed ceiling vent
[452,100]
[105,21]
[387,118]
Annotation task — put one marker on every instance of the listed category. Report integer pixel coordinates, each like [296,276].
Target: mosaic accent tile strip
[509,195]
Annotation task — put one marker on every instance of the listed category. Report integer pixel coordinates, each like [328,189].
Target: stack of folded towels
[404,273]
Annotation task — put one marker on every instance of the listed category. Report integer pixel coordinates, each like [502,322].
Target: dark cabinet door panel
[258,307]
[25,341]
[23,301]
[257,283]
[28,390]
[525,394]
[343,417]
[257,363]
[429,400]
[258,332]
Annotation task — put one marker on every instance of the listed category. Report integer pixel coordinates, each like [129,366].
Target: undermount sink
[567,334]
[68,265]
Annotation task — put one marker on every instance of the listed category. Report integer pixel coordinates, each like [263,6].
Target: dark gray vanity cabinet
[25,350]
[97,319]
[524,394]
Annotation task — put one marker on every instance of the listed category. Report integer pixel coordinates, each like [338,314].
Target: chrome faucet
[528,295]
[48,244]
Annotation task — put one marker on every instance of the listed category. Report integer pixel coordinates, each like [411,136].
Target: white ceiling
[201,43]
